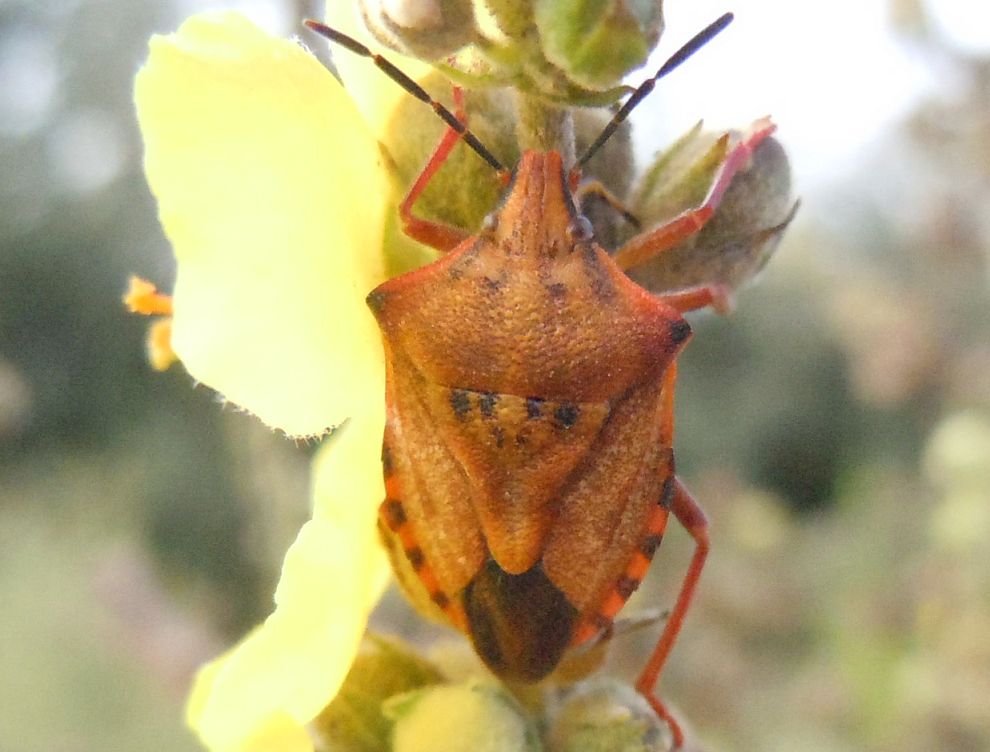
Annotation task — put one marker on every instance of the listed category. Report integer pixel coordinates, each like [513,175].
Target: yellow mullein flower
[271,190]
[271,187]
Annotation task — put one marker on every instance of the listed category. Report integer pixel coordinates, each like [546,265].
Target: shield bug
[528,458]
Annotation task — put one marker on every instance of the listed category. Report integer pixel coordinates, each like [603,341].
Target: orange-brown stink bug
[528,458]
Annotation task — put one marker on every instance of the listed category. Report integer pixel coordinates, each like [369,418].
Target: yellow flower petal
[272,192]
[289,668]
[347,491]
[279,734]
[276,732]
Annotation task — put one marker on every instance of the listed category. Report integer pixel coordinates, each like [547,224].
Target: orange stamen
[159,344]
[143,297]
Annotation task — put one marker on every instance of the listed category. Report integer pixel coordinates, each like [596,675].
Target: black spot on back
[566,414]
[534,407]
[460,402]
[491,285]
[498,433]
[487,402]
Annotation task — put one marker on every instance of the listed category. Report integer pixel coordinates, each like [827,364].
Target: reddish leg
[646,245]
[437,235]
[597,188]
[718,297]
[689,514]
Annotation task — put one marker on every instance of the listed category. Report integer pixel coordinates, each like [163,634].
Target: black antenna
[409,85]
[693,45]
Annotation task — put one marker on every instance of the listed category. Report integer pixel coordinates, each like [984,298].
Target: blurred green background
[836,427]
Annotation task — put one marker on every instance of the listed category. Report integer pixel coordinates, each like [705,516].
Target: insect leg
[437,235]
[718,297]
[645,246]
[690,515]
[596,188]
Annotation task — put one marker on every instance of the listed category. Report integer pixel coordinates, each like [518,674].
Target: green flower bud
[596,42]
[742,235]
[354,720]
[605,715]
[413,135]
[473,716]
[427,29]
[513,18]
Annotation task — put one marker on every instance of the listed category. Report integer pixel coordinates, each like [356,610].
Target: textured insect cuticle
[491,285]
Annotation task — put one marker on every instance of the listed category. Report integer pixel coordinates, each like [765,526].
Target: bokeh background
[836,427]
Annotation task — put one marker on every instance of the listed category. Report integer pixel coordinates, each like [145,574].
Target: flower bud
[426,29]
[354,719]
[746,227]
[603,714]
[472,716]
[411,137]
[596,43]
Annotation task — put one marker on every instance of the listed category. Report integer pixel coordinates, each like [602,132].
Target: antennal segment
[693,45]
[409,85]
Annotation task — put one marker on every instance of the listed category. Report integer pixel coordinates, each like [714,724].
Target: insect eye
[580,230]
[489,223]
